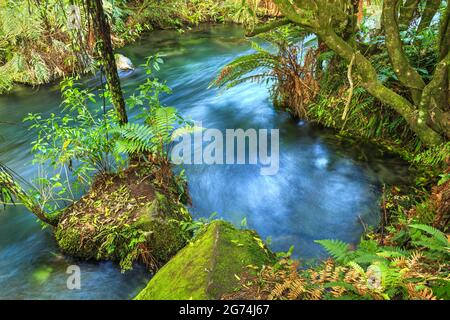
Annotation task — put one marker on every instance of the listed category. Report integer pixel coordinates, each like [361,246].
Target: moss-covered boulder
[209,266]
[124,217]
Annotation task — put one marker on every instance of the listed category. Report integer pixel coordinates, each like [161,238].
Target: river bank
[44,47]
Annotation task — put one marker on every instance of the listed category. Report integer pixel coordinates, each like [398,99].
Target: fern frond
[433,232]
[134,138]
[338,249]
[233,73]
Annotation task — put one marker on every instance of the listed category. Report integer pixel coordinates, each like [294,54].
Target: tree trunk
[407,75]
[369,80]
[15,190]
[323,17]
[444,45]
[103,34]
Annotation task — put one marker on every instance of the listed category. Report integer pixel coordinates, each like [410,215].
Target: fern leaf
[338,249]
[435,233]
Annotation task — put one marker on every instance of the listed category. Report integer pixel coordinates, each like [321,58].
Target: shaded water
[324,187]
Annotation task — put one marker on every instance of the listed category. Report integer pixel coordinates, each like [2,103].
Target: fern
[163,121]
[234,73]
[435,234]
[134,138]
[153,136]
[338,249]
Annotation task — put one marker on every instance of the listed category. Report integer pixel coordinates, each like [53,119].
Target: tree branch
[320,19]
[266,27]
[302,16]
[369,80]
[15,190]
[407,75]
[430,10]
[407,13]
[429,108]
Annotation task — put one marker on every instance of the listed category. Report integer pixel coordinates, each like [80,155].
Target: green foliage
[400,270]
[192,228]
[160,123]
[122,242]
[430,238]
[152,137]
[432,157]
[339,250]
[417,270]
[6,195]
[366,118]
[35,46]
[176,13]
[85,140]
[134,139]
[75,144]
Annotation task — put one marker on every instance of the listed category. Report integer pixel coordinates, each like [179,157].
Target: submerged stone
[208,267]
[123,63]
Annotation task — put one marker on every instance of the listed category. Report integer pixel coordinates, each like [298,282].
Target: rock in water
[124,217]
[123,63]
[210,266]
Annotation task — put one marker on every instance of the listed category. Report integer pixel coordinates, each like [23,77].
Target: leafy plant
[6,196]
[290,71]
[155,135]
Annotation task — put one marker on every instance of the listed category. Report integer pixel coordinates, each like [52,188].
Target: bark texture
[103,34]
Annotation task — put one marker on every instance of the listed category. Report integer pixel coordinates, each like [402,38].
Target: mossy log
[208,267]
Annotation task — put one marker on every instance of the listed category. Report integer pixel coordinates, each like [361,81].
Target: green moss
[207,268]
[165,239]
[70,242]
[115,225]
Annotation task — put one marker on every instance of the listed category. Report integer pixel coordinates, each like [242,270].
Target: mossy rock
[123,218]
[155,237]
[208,267]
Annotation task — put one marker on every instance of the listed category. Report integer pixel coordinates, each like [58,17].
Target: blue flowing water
[324,188]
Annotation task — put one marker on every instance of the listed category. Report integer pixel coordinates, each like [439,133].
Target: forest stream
[324,188]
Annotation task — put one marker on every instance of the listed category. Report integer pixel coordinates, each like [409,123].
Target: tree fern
[234,73]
